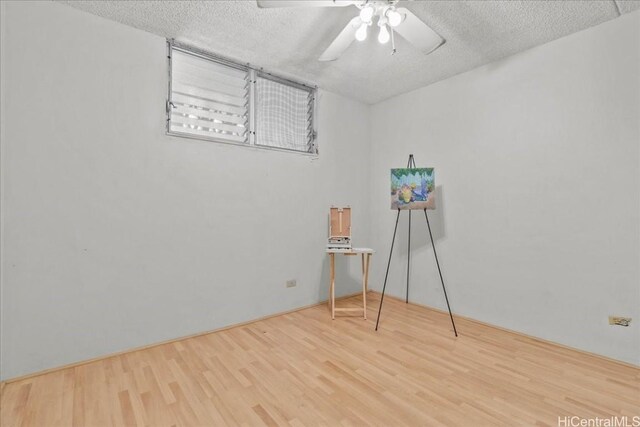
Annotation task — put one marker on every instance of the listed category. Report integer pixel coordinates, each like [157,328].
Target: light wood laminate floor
[305,369]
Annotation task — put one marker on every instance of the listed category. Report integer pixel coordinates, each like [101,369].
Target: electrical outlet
[619,321]
[291,283]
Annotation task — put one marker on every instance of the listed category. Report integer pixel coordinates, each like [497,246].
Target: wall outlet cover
[291,283]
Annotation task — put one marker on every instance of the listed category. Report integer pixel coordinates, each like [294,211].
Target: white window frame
[253,74]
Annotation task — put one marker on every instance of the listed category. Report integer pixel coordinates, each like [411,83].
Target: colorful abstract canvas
[413,188]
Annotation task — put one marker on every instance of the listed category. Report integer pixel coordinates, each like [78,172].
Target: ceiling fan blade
[304,3]
[342,42]
[417,32]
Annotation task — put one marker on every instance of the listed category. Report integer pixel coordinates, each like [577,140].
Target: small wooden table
[366,255]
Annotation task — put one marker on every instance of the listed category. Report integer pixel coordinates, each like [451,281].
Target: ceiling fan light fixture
[366,13]
[394,17]
[361,34]
[383,35]
[393,21]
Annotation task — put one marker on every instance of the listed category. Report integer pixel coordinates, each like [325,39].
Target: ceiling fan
[390,19]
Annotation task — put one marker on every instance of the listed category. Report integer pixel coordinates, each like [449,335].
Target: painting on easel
[413,188]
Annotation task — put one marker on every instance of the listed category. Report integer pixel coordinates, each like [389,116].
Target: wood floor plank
[303,368]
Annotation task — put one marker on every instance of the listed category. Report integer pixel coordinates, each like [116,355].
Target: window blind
[208,99]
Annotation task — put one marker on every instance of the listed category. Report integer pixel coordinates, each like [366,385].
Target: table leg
[330,279]
[364,294]
[332,298]
[366,282]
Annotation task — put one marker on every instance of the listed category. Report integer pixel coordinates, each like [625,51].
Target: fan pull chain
[393,41]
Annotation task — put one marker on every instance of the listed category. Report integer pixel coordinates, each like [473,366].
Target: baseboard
[531,337]
[199,334]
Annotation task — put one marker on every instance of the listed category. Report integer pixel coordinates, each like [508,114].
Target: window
[208,99]
[284,115]
[218,100]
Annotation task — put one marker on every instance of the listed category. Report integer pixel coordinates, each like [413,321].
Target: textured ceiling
[289,41]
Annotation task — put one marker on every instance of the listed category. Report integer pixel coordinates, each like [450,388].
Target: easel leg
[408,258]
[440,272]
[386,275]
[332,298]
[411,163]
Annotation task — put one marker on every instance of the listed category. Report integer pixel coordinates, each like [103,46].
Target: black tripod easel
[410,165]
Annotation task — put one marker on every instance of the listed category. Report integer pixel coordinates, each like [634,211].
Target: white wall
[116,235]
[538,179]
